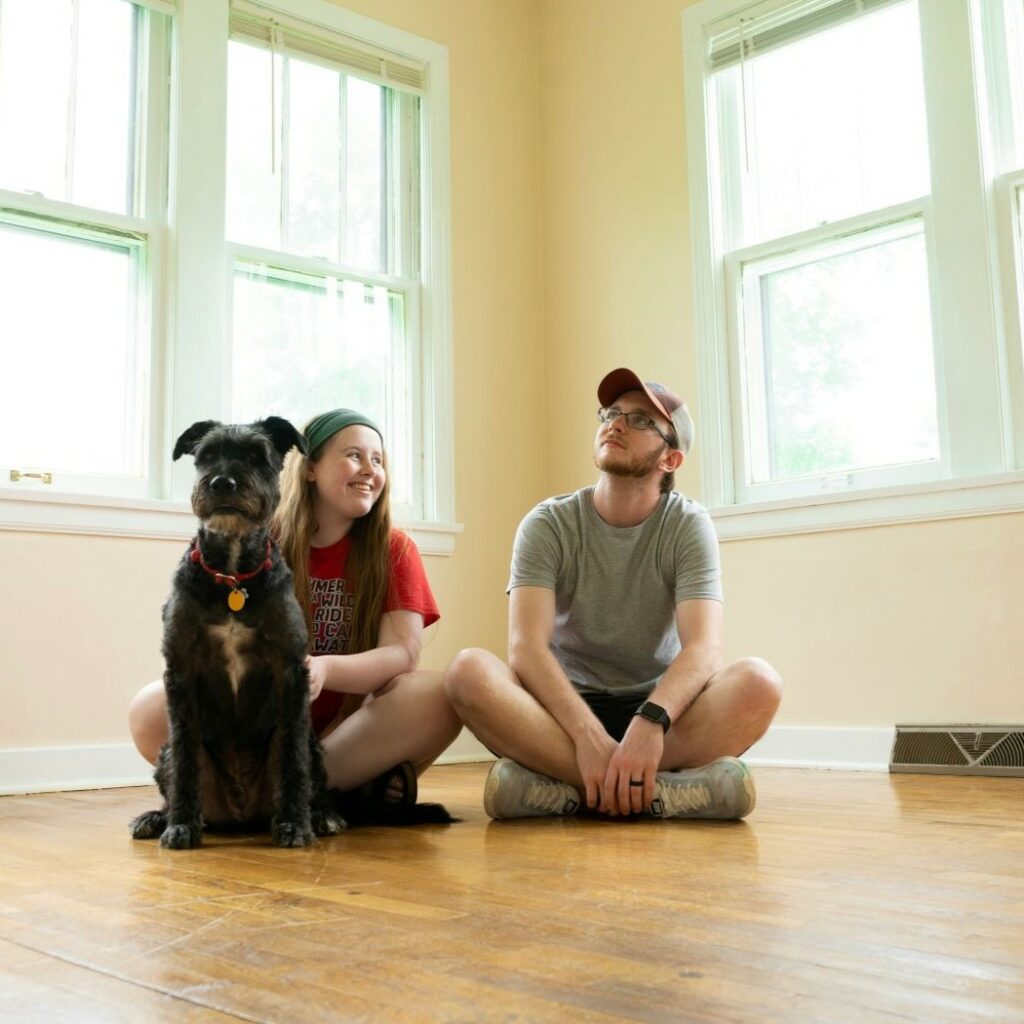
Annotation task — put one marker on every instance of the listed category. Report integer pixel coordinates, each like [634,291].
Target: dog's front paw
[284,833]
[181,837]
[149,825]
[328,823]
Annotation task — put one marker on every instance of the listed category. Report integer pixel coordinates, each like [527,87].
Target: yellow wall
[571,255]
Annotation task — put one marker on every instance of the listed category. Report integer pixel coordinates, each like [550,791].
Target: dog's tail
[357,807]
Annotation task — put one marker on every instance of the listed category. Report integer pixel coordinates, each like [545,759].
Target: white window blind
[262,26]
[763,27]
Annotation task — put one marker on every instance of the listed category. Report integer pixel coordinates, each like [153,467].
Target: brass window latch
[17,474]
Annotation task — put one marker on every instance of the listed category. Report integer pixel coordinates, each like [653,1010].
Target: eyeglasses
[635,420]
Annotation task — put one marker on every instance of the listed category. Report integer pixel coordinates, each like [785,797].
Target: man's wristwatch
[654,713]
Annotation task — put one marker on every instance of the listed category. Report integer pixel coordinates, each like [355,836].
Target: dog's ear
[282,435]
[187,443]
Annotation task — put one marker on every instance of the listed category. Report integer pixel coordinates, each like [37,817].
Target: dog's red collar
[236,599]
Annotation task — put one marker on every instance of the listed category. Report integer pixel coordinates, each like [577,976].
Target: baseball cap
[668,403]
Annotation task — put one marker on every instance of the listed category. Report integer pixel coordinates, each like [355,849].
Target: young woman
[363,588]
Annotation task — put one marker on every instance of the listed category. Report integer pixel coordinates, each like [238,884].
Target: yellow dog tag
[236,600]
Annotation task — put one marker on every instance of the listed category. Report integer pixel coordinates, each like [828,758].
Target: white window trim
[198,300]
[999,494]
[154,520]
[970,316]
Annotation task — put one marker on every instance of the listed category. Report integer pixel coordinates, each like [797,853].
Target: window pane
[35,83]
[848,366]
[67,96]
[314,160]
[305,344]
[365,155]
[67,329]
[854,141]
[253,195]
[329,188]
[104,154]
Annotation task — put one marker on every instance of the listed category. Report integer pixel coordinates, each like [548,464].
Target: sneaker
[512,791]
[722,789]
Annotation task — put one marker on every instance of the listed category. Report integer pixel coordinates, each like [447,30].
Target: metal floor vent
[959,749]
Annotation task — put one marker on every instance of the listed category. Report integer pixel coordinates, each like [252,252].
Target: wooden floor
[846,897]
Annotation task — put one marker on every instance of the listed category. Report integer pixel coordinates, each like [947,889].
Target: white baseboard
[55,769]
[813,746]
[110,765]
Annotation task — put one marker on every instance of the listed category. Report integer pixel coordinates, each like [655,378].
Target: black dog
[242,751]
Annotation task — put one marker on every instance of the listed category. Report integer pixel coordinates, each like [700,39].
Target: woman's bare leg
[147,720]
[411,719]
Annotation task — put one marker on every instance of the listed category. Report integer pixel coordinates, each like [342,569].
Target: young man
[615,693]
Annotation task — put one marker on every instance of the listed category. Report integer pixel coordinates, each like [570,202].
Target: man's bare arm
[531,625]
[700,632]
[699,624]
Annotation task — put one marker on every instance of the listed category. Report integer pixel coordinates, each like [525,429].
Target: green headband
[323,427]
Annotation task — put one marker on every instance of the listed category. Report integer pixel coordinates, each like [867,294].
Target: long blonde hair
[369,561]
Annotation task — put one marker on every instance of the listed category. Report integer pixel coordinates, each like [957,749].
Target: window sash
[400,214]
[134,241]
[284,264]
[746,358]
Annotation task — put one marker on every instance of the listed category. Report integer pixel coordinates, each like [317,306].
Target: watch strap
[654,713]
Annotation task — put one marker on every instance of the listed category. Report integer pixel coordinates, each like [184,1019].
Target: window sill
[948,499]
[151,519]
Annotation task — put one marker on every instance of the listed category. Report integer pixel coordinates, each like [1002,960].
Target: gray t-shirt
[616,588]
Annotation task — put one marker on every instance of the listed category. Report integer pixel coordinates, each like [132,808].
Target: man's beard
[637,468]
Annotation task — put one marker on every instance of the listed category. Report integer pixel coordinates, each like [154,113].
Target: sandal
[401,778]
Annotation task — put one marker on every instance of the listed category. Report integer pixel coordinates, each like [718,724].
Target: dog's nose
[222,485]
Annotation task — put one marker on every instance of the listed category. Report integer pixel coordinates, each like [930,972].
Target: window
[322,217]
[268,234]
[82,209]
[849,328]
[1001,31]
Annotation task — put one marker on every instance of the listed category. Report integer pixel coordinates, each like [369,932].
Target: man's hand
[317,675]
[593,752]
[636,758]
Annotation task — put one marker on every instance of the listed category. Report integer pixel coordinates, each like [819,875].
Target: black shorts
[614,710]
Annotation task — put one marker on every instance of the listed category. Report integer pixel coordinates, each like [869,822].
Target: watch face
[653,713]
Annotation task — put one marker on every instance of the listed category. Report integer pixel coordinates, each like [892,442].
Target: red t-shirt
[333,597]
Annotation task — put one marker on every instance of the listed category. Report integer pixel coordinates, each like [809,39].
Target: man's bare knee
[760,686]
[469,678]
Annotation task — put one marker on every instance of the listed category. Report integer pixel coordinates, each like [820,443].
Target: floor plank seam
[135,983]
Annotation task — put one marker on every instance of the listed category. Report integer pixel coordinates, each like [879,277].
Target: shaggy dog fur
[242,752]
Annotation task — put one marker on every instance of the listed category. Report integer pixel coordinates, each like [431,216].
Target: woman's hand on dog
[317,675]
